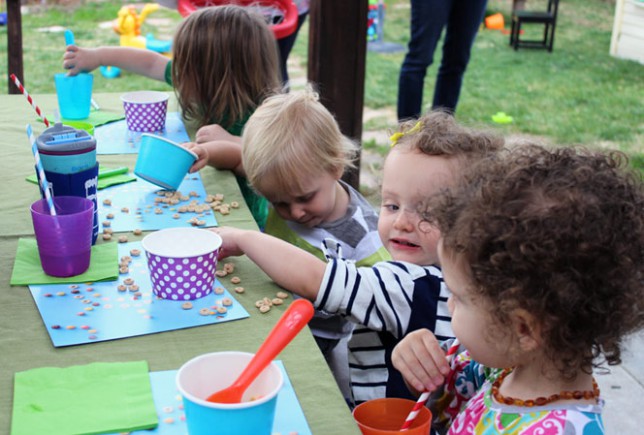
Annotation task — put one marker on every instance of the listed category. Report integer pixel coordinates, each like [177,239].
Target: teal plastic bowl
[163,162]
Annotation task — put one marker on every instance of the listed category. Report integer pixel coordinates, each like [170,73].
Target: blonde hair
[292,136]
[225,61]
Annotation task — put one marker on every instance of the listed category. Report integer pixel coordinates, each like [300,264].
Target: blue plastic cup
[201,376]
[163,162]
[74,95]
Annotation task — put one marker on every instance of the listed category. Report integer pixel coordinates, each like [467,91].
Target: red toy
[281,15]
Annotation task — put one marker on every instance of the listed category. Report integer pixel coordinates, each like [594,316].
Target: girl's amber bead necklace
[540,401]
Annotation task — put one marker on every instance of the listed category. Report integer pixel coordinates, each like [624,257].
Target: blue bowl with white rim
[163,162]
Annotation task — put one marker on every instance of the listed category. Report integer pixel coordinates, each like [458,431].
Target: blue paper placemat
[90,312]
[141,205]
[115,138]
[289,417]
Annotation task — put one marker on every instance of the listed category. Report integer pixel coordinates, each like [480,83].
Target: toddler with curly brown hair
[543,252]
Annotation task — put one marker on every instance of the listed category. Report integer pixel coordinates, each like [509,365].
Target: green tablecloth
[25,344]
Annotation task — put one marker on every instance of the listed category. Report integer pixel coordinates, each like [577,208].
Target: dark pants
[286,44]
[461,19]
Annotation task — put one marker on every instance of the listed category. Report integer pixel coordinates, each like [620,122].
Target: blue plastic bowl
[163,162]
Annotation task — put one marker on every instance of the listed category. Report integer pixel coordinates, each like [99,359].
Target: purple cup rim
[168,141]
[243,405]
[139,97]
[149,242]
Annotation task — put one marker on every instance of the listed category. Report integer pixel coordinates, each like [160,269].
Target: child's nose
[406,220]
[297,211]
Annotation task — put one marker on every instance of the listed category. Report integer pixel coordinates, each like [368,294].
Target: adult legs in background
[462,19]
[286,44]
[462,25]
[428,17]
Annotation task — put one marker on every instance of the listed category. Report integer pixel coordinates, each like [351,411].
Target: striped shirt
[387,301]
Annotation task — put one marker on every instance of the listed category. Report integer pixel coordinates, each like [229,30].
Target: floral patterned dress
[468,407]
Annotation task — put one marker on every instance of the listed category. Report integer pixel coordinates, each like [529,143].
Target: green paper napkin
[100,117]
[89,399]
[106,177]
[27,269]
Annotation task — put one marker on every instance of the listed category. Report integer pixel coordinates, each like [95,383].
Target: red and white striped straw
[420,403]
[31,101]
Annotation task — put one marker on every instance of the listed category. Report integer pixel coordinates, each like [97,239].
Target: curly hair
[438,134]
[559,233]
[225,62]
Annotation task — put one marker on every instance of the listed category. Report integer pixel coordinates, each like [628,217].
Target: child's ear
[527,330]
[339,172]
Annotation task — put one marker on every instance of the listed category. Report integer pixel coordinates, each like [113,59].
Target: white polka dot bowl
[182,262]
[163,162]
[145,111]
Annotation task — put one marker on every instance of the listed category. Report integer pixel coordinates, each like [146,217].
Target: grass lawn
[578,94]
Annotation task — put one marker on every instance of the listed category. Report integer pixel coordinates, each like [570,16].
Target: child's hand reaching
[230,245]
[421,361]
[77,60]
[202,156]
[214,132]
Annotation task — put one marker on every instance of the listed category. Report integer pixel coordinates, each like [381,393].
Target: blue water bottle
[68,156]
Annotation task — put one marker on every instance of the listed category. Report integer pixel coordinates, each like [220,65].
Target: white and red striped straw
[31,100]
[40,172]
[425,395]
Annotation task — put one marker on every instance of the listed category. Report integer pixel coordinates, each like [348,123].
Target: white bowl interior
[142,97]
[181,242]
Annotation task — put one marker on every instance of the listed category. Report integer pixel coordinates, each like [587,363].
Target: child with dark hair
[543,252]
[224,63]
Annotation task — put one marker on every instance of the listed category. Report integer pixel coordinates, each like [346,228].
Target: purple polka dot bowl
[145,111]
[182,262]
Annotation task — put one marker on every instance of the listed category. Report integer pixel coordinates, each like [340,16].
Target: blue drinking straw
[40,171]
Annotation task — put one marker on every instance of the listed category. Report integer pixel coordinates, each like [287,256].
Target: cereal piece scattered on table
[204,312]
[234,204]
[219,290]
[135,252]
[123,269]
[226,302]
[122,239]
[186,305]
[137,231]
[222,310]
[175,216]
[267,301]
[121,288]
[221,273]
[282,295]
[235,280]
[125,210]
[239,290]
[133,288]
[107,223]
[107,202]
[107,237]
[229,267]
[108,231]
[110,216]
[277,301]
[128,281]
[259,303]
[264,309]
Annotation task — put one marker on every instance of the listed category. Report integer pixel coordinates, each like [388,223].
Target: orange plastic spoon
[288,326]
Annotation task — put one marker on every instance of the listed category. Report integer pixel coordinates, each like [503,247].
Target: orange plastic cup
[386,417]
[495,22]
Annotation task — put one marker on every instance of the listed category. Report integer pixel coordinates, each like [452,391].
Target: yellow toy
[128,25]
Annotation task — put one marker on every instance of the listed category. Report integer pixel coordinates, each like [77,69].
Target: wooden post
[336,64]
[14,44]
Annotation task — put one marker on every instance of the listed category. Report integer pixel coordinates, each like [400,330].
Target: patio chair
[547,18]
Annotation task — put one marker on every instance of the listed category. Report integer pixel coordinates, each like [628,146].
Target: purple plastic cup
[145,111]
[182,262]
[65,240]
